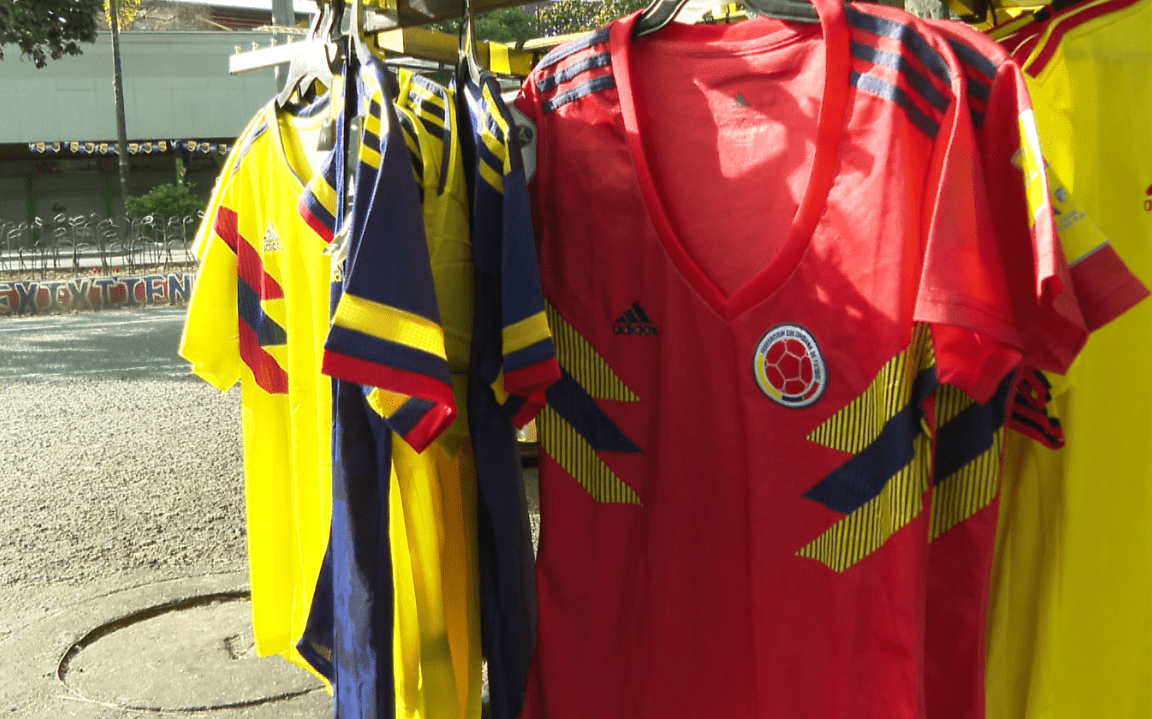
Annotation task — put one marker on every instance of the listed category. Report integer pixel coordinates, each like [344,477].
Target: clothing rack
[413,47]
[391,27]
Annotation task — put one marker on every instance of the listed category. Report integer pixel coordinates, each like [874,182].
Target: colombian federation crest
[789,366]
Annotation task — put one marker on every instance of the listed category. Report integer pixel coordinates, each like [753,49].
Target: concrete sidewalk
[173,647]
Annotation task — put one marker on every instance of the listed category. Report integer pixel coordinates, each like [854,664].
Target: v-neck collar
[833,102]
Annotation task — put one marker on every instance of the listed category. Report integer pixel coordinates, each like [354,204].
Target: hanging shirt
[777,275]
[1104,288]
[1071,620]
[259,315]
[386,350]
[436,489]
[513,360]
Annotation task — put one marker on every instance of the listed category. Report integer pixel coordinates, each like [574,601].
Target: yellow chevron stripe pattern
[584,363]
[860,423]
[492,142]
[967,491]
[949,403]
[572,452]
[974,486]
[427,103]
[426,95]
[868,528]
[369,156]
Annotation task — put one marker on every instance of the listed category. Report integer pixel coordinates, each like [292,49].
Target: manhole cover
[192,655]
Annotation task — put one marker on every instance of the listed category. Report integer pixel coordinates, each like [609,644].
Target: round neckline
[300,116]
[821,173]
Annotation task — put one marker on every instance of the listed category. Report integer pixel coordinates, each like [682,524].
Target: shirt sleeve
[522,362]
[211,337]
[386,331]
[996,286]
[1105,287]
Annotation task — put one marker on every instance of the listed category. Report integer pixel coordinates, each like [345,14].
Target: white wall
[176,86]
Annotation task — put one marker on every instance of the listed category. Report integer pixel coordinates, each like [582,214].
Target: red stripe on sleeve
[1037,425]
[1105,286]
[413,384]
[434,421]
[530,409]
[371,374]
[536,377]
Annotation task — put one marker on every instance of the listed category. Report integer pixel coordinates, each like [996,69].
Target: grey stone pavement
[176,647]
[151,619]
[114,612]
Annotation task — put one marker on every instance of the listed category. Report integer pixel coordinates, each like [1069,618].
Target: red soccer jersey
[765,246]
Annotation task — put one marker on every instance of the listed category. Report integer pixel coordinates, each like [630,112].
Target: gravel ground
[111,481]
[117,468]
[122,477]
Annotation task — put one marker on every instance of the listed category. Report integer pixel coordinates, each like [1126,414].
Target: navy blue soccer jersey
[386,351]
[513,361]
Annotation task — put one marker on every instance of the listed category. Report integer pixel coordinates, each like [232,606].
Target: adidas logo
[741,100]
[635,321]
[271,239]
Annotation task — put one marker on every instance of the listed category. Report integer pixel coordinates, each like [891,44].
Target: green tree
[48,28]
[508,25]
[175,200]
[567,16]
[126,11]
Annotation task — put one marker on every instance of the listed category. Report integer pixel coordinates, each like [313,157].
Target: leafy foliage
[126,12]
[567,16]
[509,25]
[174,200]
[514,24]
[48,28]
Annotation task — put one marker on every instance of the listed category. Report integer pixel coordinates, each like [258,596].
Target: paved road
[133,345]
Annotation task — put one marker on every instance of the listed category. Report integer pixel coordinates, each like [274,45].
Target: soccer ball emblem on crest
[789,366]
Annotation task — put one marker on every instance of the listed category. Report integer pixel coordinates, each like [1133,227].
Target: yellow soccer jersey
[204,231]
[259,315]
[1071,622]
[434,492]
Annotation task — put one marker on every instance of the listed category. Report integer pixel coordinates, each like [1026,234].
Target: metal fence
[87,244]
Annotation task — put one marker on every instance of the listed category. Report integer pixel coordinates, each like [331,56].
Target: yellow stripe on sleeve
[390,324]
[386,402]
[527,331]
